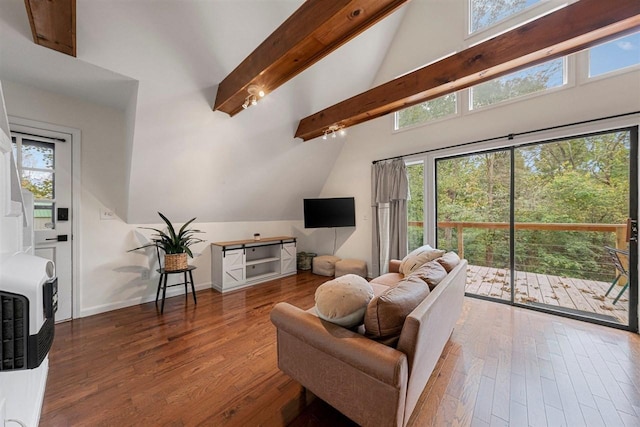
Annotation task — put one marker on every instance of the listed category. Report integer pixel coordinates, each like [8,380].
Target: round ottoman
[351,266]
[325,265]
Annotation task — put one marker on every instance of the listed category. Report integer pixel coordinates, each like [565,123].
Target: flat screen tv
[333,212]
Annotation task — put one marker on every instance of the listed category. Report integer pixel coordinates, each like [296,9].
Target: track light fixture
[254,94]
[331,130]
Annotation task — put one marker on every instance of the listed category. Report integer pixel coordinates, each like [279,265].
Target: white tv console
[241,263]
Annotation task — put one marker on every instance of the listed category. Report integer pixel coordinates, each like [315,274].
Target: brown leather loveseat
[371,383]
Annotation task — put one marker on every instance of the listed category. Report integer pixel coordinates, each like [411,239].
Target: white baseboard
[171,292]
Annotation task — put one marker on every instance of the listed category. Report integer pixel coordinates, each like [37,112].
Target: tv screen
[333,212]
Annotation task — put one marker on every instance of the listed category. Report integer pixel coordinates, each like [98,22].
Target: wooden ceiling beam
[313,31]
[565,31]
[53,24]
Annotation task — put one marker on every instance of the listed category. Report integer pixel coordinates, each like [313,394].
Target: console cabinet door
[233,271]
[288,258]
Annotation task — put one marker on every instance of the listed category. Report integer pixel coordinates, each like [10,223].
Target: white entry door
[44,164]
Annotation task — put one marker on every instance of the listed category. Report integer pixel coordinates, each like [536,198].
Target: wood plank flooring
[555,291]
[214,364]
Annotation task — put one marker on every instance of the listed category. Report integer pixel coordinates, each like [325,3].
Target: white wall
[109,276]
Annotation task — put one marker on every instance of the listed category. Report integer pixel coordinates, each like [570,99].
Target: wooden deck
[573,294]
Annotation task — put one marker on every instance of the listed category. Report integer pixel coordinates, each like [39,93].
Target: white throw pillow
[419,256]
[344,300]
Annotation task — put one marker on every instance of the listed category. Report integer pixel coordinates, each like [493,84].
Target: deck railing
[619,230]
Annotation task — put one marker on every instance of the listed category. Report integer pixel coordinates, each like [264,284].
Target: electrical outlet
[107,214]
[145,274]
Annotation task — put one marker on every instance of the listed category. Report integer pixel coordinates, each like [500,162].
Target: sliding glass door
[545,225]
[473,193]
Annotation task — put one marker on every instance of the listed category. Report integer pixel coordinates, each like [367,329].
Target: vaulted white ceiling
[160,62]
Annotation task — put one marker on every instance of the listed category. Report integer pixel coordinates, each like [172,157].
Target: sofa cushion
[386,313]
[419,256]
[388,279]
[431,272]
[449,261]
[343,300]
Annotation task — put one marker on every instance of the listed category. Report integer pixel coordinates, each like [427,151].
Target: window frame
[585,73]
[568,81]
[457,113]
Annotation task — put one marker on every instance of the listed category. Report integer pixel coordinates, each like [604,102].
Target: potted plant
[175,245]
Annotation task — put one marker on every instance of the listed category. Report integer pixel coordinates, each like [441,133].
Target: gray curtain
[389,194]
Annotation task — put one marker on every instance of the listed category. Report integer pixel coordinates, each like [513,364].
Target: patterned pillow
[343,300]
[416,258]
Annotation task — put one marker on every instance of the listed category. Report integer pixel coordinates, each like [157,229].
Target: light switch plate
[107,214]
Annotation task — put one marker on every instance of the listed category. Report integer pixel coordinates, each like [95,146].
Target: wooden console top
[251,241]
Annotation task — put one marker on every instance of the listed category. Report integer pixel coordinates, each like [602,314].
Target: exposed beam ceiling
[313,31]
[568,30]
[53,24]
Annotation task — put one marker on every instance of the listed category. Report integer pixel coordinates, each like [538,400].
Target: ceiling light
[252,98]
[332,131]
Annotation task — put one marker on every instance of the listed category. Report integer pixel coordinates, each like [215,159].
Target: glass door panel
[472,213]
[571,204]
[415,207]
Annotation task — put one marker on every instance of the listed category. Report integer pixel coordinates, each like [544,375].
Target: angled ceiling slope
[313,31]
[568,30]
[53,24]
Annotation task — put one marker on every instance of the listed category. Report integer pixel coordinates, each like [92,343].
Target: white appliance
[28,301]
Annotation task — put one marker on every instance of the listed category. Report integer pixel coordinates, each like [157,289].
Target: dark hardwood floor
[215,365]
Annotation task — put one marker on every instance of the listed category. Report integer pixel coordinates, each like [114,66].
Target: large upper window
[614,55]
[530,80]
[426,111]
[485,13]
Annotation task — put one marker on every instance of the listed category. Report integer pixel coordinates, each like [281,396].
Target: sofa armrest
[361,378]
[379,361]
[394,265]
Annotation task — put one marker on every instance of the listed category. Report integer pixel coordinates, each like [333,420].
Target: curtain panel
[389,194]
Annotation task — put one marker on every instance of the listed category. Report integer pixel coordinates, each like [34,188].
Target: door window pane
[614,55]
[37,155]
[531,80]
[43,216]
[39,183]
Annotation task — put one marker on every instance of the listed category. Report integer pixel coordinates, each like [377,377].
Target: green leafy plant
[170,241]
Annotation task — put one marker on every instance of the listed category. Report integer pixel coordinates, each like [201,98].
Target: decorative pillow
[386,313]
[416,258]
[343,300]
[449,261]
[431,272]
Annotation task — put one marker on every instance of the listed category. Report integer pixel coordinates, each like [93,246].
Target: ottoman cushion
[351,266]
[325,265]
